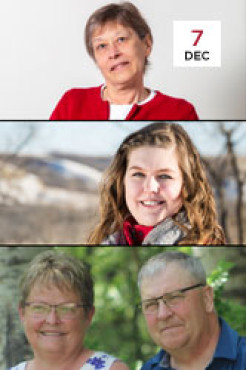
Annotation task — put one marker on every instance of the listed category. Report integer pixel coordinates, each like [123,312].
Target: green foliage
[118,327]
[231,311]
[217,280]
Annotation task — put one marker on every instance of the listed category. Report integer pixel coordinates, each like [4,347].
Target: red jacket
[87,104]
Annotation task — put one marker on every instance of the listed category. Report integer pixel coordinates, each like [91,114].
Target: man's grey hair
[159,263]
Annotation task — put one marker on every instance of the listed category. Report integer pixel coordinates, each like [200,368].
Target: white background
[184,40]
[43,55]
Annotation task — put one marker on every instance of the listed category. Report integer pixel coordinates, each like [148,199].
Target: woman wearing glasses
[56,308]
[156,192]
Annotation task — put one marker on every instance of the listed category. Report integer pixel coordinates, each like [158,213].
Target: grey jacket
[165,233]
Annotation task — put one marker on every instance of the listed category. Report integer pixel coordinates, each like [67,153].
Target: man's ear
[208,297]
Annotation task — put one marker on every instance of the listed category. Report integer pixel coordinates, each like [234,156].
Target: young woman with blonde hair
[156,192]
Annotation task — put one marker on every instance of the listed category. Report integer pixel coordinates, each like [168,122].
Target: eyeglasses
[171,300]
[63,310]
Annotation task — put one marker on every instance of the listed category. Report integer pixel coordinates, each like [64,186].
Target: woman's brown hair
[197,196]
[124,13]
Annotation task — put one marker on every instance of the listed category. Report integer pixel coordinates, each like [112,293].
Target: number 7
[200,32]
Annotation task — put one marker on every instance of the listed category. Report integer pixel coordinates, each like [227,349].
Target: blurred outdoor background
[49,176]
[118,327]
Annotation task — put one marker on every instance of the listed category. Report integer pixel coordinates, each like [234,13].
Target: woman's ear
[148,45]
[21,311]
[90,316]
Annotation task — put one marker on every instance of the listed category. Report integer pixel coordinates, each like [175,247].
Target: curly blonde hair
[197,197]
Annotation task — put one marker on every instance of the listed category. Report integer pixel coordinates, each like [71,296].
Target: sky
[103,138]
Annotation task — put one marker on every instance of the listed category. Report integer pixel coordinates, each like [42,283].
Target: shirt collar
[226,347]
[227,344]
[165,362]
[160,359]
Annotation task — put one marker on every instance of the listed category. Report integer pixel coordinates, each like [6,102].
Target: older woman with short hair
[119,40]
[56,308]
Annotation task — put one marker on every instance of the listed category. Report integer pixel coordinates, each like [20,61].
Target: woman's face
[120,54]
[52,335]
[153,183]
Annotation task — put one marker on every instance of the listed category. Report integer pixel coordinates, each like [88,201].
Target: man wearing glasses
[179,311]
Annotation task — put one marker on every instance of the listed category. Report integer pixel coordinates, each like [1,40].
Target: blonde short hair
[52,268]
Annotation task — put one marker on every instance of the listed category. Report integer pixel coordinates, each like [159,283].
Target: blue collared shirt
[230,353]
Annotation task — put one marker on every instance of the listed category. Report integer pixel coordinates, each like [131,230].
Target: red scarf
[135,233]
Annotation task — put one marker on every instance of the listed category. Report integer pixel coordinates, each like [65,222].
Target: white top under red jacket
[87,104]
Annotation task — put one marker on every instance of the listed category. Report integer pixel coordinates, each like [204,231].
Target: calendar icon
[197,43]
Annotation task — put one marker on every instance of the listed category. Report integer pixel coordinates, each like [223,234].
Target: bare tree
[222,168]
[27,218]
[218,182]
[19,139]
[231,144]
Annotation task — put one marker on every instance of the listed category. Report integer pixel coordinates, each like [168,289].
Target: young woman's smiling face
[153,183]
